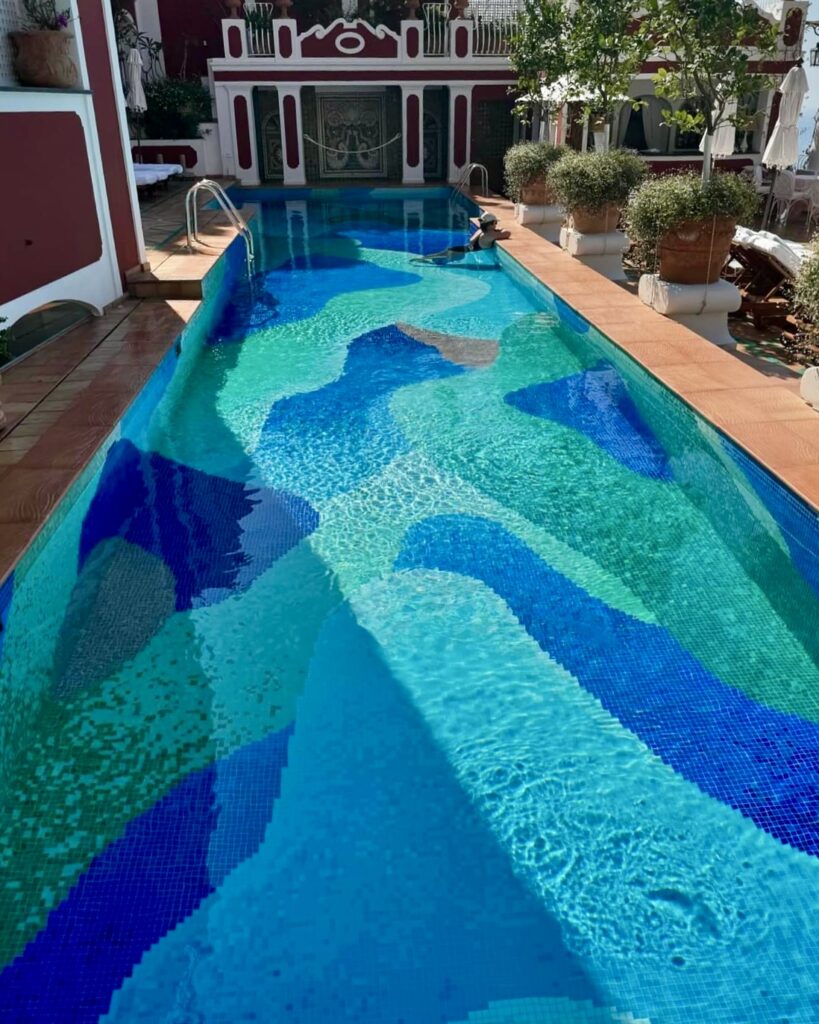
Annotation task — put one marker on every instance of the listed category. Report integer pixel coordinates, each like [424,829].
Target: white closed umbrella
[783,146]
[134,91]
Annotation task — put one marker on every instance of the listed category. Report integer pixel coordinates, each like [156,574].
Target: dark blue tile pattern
[761,762]
[597,403]
[344,432]
[6,594]
[142,885]
[798,524]
[301,288]
[214,534]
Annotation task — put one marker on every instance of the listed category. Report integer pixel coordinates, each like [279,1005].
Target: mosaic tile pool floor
[409,656]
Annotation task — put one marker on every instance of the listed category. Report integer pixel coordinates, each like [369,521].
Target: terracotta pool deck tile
[759,408]
[14,540]
[58,425]
[807,429]
[655,354]
[804,480]
[28,495]
[778,445]
[750,405]
[687,377]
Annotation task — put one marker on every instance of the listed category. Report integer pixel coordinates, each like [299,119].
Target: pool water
[410,656]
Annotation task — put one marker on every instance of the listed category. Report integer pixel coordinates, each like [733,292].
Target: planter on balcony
[44,58]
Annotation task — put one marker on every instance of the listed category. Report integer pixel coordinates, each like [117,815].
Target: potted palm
[525,168]
[684,226]
[593,187]
[44,50]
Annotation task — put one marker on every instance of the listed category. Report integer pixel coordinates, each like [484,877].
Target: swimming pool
[409,655]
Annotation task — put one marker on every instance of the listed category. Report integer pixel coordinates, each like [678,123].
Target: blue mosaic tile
[799,525]
[597,404]
[167,862]
[329,440]
[214,534]
[301,288]
[6,594]
[763,763]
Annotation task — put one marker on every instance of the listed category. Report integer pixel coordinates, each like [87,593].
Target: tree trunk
[706,157]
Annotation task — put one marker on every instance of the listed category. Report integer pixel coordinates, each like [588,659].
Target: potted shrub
[176,107]
[525,168]
[593,187]
[689,224]
[806,291]
[43,52]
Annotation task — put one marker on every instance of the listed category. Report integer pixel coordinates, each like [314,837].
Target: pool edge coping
[596,315]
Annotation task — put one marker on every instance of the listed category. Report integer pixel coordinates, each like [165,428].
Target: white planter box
[201,158]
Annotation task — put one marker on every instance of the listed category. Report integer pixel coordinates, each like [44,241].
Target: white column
[412,134]
[224,120]
[460,130]
[295,172]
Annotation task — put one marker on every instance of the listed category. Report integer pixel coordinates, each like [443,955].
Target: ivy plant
[5,340]
[175,108]
[806,287]
[662,204]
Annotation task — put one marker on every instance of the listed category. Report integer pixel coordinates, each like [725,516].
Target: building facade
[299,104]
[71,228]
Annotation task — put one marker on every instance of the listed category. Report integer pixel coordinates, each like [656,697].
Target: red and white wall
[70,221]
[348,55]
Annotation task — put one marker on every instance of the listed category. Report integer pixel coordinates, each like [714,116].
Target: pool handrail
[224,201]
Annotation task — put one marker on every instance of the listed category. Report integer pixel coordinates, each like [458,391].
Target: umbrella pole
[139,136]
[766,216]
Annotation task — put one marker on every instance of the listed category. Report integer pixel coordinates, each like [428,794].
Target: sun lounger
[166,170]
[146,178]
[762,265]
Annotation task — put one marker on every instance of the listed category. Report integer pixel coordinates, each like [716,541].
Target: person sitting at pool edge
[484,238]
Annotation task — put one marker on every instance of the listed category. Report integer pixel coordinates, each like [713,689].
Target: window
[688,142]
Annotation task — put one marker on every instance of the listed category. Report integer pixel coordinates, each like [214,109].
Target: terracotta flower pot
[44,58]
[537,194]
[595,222]
[696,251]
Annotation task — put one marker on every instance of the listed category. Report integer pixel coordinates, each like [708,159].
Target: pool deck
[752,401]
[63,400]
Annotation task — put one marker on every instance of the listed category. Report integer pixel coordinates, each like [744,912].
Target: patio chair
[762,265]
[787,196]
[813,205]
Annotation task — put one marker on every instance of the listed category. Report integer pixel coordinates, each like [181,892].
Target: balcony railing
[436,29]
[493,25]
[494,29]
[260,35]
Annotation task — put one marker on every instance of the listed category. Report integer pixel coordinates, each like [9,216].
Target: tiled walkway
[64,400]
[176,273]
[754,402]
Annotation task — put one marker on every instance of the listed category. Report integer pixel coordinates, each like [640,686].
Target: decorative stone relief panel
[352,132]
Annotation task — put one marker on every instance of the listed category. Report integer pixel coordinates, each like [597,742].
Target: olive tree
[709,50]
[589,47]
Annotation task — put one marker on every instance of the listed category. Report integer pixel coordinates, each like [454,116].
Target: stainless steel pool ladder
[466,177]
[233,215]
